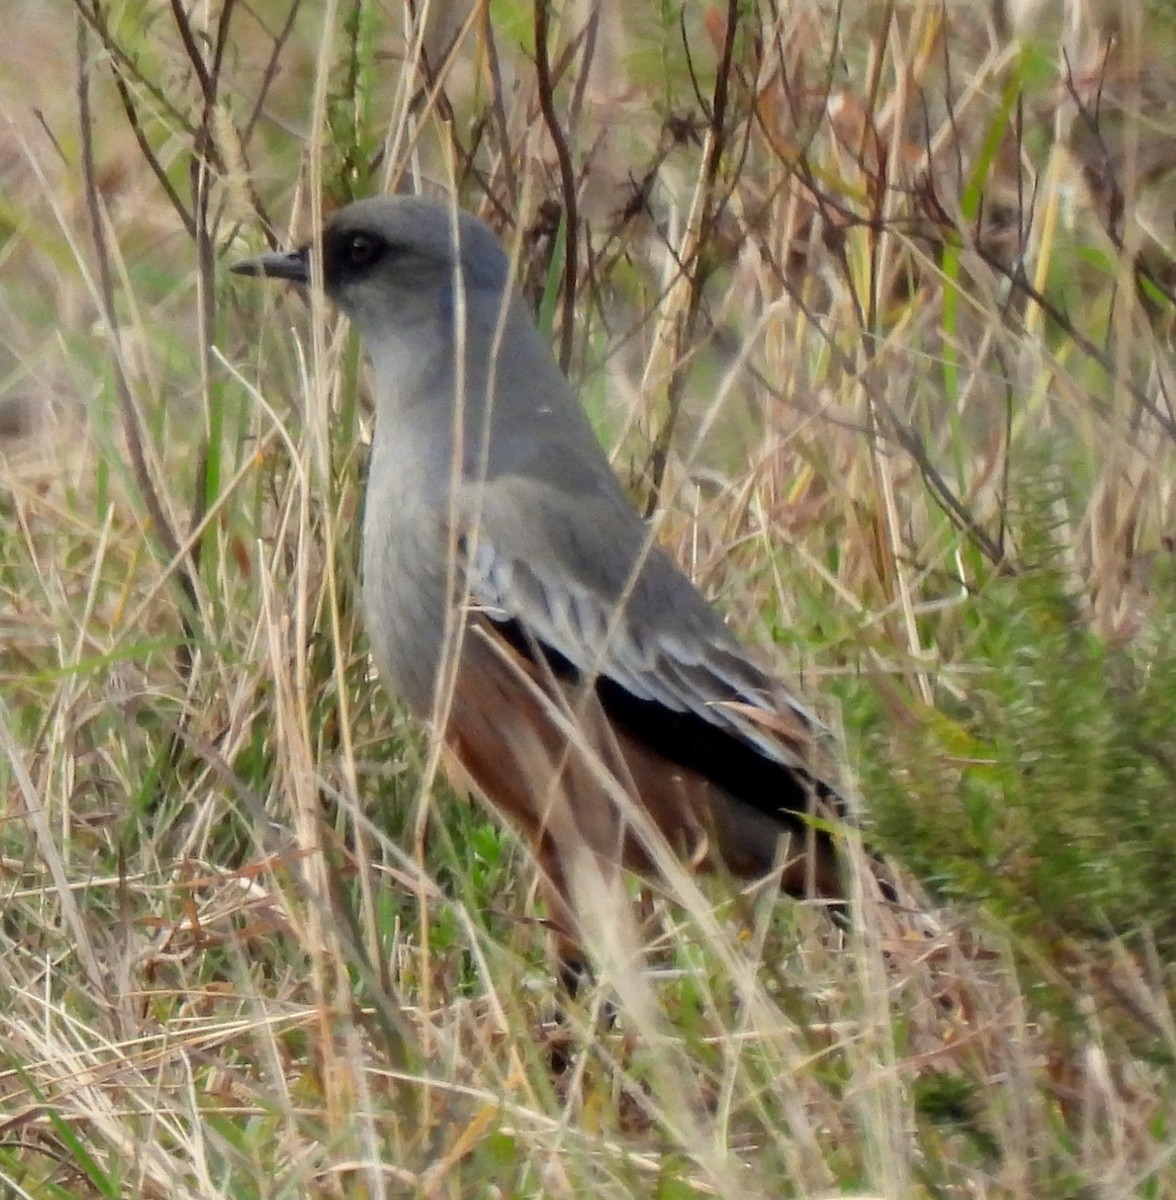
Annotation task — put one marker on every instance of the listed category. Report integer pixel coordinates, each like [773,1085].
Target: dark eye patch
[360,250]
[352,252]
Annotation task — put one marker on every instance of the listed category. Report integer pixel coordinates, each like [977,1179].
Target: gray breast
[405,592]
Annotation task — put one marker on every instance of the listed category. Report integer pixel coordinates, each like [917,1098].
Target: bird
[516,601]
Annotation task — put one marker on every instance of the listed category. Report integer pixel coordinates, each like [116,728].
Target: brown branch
[567,177]
[684,341]
[120,66]
[130,419]
[498,105]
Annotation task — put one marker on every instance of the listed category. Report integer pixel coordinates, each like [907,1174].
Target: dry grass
[878,308]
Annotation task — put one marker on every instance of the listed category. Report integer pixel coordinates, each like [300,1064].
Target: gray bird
[514,600]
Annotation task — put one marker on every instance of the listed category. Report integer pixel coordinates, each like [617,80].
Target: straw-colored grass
[874,305]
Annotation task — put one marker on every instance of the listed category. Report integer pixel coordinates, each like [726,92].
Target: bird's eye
[362,250]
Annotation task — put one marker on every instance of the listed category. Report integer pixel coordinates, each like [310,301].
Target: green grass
[250,947]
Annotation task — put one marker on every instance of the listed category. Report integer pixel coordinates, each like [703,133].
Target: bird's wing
[576,578]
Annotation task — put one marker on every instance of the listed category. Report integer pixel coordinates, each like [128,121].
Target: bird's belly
[406,603]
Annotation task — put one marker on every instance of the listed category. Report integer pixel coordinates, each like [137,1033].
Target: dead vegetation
[874,303]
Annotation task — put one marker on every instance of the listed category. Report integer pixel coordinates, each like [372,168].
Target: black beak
[293,265]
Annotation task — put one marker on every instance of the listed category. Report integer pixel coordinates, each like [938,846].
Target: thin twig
[567,176]
[130,419]
[684,338]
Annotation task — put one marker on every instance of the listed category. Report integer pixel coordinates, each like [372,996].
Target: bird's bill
[293,265]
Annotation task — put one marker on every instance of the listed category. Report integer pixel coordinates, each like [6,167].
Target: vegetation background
[874,303]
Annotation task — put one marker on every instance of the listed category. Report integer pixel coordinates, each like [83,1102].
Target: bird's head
[395,262]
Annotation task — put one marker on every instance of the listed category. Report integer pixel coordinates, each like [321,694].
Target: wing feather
[612,607]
